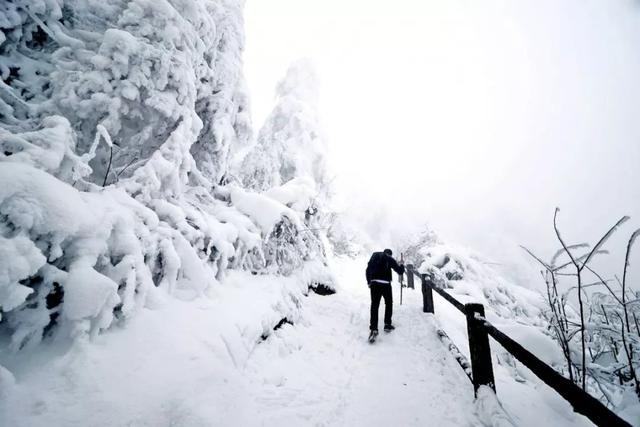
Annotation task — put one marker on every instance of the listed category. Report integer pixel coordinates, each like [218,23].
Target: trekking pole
[401,277]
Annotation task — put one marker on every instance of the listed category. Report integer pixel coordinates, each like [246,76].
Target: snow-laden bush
[466,274]
[104,251]
[281,215]
[413,250]
[472,279]
[346,238]
[117,123]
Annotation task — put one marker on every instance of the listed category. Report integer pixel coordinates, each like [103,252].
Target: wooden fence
[479,330]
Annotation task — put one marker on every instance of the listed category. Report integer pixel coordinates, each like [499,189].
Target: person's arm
[398,268]
[368,272]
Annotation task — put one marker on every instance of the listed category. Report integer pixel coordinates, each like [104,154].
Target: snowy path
[189,364]
[325,373]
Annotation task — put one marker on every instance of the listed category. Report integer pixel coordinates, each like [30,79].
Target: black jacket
[380,265]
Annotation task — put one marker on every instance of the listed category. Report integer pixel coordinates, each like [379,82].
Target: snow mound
[490,411]
[298,194]
[264,211]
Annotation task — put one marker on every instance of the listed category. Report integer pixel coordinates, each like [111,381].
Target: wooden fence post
[410,276]
[479,348]
[427,296]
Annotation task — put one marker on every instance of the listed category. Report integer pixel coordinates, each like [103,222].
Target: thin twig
[108,166]
[604,239]
[632,239]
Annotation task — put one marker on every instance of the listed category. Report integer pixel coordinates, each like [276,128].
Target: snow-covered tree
[288,164]
[290,143]
[117,123]
[141,70]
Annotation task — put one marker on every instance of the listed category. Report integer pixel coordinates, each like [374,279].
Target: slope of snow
[514,310]
[182,363]
[326,373]
[204,363]
[217,361]
[528,401]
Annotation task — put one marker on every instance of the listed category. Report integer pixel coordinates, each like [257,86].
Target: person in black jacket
[379,281]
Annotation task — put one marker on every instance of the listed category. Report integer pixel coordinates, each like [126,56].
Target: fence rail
[479,330]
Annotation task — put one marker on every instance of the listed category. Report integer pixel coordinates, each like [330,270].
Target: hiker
[379,281]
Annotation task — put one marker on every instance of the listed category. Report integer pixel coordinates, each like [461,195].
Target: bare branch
[125,168]
[544,264]
[629,353]
[632,240]
[106,175]
[564,246]
[604,239]
[562,250]
[580,258]
[604,282]
[569,289]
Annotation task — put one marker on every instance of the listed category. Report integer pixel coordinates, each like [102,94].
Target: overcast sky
[478,117]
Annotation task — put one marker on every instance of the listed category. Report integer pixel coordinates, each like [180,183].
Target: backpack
[378,267]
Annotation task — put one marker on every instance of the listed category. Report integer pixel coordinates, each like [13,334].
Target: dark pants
[378,291]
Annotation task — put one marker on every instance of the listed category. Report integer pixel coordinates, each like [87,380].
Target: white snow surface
[204,363]
[263,210]
[524,400]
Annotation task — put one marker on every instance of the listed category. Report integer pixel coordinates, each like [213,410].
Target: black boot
[389,328]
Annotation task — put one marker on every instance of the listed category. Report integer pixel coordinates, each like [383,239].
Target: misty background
[476,118]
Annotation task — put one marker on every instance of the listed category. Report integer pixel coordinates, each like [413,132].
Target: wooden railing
[479,330]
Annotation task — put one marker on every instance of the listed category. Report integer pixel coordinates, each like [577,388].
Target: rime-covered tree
[117,122]
[290,143]
[288,164]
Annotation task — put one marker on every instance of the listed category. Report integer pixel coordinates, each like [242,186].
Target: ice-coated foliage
[142,69]
[414,251]
[598,332]
[472,279]
[117,123]
[288,164]
[346,238]
[290,143]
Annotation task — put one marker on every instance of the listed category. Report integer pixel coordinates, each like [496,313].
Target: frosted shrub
[345,238]
[595,321]
[471,279]
[287,164]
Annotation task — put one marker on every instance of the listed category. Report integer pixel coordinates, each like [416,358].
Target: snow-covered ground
[526,400]
[204,363]
[326,373]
